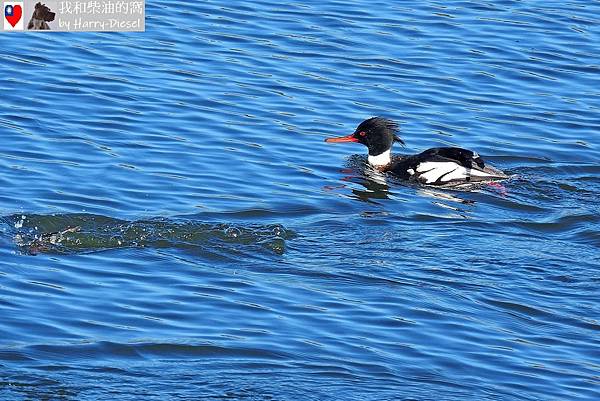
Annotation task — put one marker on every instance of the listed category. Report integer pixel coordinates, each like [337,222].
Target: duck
[442,166]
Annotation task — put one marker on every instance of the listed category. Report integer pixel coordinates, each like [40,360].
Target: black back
[463,157]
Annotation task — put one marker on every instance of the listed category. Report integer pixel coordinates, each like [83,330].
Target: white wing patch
[446,171]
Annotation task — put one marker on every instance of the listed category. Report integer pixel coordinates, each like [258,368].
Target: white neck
[380,160]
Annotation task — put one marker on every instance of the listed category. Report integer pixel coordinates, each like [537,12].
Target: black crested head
[378,134]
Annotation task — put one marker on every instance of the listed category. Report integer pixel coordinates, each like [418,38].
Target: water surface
[223,251]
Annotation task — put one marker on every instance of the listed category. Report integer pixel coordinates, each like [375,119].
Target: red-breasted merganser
[435,166]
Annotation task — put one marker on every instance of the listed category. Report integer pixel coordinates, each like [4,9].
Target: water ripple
[88,233]
[153,175]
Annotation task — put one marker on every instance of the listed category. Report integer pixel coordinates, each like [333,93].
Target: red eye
[362,133]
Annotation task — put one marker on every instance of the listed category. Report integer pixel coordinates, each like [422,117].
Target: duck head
[378,134]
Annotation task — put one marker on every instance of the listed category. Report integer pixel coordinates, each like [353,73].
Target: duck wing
[447,167]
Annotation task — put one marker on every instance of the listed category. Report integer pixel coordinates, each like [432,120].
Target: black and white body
[40,18]
[436,166]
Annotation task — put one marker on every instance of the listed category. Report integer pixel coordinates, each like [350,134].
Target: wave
[80,233]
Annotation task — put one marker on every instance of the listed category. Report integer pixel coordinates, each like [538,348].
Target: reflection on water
[369,185]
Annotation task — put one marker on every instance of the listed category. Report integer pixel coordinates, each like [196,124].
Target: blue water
[223,251]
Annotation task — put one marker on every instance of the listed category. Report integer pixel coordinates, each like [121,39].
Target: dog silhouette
[40,18]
